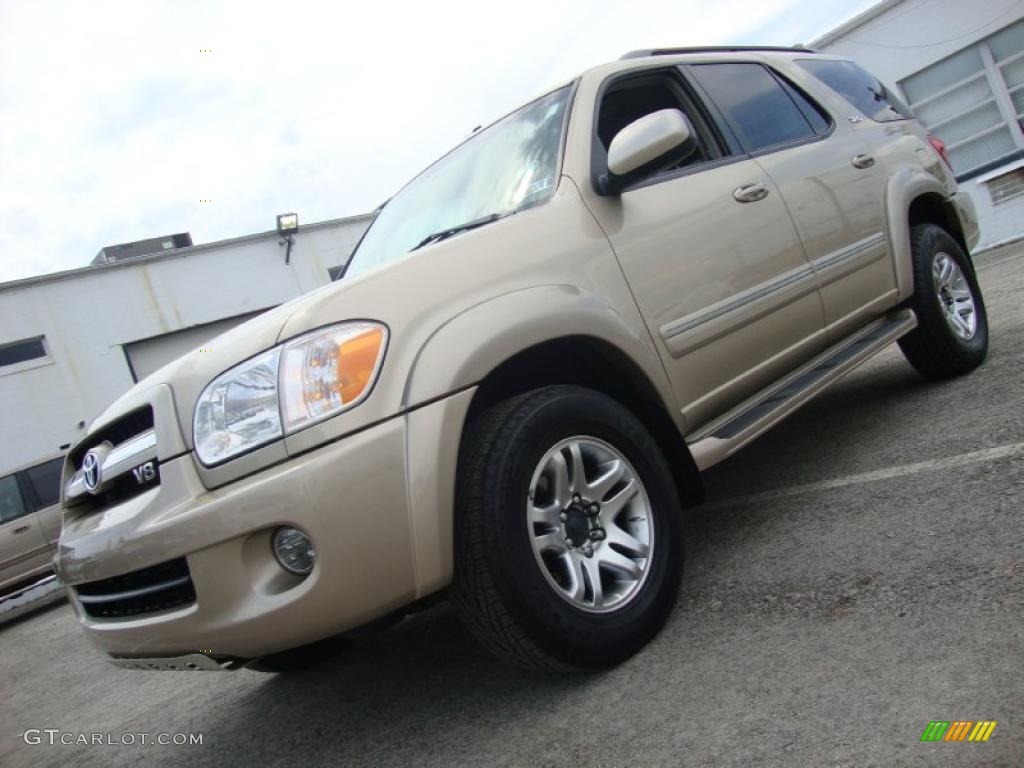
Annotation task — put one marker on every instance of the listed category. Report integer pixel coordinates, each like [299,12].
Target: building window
[974,100]
[1006,186]
[17,353]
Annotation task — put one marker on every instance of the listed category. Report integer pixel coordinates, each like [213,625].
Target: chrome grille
[115,462]
[128,426]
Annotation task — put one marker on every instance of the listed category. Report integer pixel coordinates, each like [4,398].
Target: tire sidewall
[568,633]
[929,241]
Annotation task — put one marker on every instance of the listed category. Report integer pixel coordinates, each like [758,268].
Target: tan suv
[29,527]
[537,346]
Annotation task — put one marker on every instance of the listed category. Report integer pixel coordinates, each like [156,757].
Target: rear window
[45,480]
[859,87]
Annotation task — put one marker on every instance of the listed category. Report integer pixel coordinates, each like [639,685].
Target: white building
[72,342]
[960,67]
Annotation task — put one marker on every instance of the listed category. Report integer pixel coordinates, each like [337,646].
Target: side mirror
[650,144]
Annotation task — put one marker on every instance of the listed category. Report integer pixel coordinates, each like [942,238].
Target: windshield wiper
[444,234]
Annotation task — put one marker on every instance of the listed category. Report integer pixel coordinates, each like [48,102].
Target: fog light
[294,550]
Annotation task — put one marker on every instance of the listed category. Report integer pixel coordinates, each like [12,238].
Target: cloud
[117,122]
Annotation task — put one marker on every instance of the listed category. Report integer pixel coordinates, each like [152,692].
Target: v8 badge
[144,473]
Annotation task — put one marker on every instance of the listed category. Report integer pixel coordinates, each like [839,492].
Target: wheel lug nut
[597,534]
[594,508]
[588,551]
[569,543]
[563,517]
[576,498]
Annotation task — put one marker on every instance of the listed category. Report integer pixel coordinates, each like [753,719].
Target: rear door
[23,547]
[833,185]
[874,123]
[710,253]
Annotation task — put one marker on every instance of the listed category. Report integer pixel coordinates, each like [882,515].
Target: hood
[413,296]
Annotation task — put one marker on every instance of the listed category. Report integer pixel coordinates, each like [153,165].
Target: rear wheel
[951,338]
[568,545]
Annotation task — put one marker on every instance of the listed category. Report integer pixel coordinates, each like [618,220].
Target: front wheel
[568,545]
[951,338]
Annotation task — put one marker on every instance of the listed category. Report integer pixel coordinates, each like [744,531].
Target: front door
[710,254]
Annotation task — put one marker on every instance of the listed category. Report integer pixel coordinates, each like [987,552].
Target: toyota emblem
[91,471]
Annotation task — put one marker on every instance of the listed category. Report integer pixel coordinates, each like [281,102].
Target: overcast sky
[116,123]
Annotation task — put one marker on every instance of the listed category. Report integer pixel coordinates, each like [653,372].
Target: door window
[821,122]
[634,97]
[756,104]
[45,481]
[12,506]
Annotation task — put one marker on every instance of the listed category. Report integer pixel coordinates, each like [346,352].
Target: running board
[750,419]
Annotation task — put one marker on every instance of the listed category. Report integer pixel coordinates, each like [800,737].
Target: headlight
[287,388]
[328,371]
[238,410]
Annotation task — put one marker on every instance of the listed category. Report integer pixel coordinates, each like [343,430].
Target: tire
[301,658]
[942,347]
[522,601]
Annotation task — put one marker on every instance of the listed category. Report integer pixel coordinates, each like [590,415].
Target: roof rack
[645,52]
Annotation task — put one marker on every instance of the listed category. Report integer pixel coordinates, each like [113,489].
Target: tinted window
[11,505]
[45,480]
[755,104]
[859,87]
[636,97]
[814,113]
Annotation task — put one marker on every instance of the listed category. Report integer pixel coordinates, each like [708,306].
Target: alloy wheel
[590,524]
[955,298]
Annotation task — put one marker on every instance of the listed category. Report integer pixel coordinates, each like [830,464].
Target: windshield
[505,168]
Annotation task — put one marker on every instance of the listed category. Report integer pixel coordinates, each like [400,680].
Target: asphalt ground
[856,574]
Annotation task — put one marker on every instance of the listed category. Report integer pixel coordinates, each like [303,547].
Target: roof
[661,57]
[645,52]
[160,255]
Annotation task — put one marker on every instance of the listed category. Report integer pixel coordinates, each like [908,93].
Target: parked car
[535,349]
[29,525]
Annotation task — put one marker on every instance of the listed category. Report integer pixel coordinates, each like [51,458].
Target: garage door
[147,355]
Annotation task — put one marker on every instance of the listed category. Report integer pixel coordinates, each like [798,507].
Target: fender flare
[903,188]
[470,345]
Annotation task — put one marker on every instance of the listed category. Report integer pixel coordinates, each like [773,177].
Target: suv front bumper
[349,496]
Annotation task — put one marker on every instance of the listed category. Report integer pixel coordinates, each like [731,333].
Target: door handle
[862,161]
[750,193]
[21,529]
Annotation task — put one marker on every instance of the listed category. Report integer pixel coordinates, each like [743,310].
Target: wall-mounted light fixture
[287,225]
